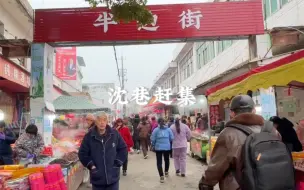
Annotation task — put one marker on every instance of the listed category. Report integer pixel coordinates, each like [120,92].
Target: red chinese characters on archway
[171,22]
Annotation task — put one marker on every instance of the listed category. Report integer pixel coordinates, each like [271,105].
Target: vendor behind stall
[29,145]
[7,138]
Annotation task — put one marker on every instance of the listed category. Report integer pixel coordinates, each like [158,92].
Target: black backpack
[267,162]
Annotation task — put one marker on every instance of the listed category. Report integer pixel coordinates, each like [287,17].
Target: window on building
[205,57]
[227,43]
[283,2]
[198,60]
[185,70]
[188,70]
[1,30]
[211,51]
[272,6]
[191,68]
[173,81]
[220,47]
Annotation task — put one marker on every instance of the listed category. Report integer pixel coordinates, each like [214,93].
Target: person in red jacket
[126,135]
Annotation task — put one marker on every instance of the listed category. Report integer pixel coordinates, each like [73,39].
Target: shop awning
[278,73]
[66,103]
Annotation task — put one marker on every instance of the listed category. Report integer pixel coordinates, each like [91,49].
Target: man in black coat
[103,152]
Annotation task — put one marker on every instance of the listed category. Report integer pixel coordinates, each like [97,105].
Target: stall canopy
[279,73]
[75,103]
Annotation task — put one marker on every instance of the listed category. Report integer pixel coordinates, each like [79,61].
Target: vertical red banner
[214,114]
[66,68]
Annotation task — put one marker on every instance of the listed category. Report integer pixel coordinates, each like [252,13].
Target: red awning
[284,61]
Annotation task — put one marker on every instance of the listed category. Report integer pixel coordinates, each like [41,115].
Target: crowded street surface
[142,175]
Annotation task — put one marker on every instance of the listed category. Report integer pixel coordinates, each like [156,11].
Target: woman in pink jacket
[182,135]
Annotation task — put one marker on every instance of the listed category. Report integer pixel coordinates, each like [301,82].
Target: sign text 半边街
[196,21]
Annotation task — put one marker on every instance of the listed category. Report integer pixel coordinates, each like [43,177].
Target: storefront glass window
[274,5]
[283,2]
[266,8]
[219,47]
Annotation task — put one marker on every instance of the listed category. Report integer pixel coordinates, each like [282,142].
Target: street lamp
[1,115]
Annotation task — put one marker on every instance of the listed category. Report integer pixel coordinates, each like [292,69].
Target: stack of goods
[15,177]
[17,184]
[37,181]
[54,178]
[297,155]
[299,164]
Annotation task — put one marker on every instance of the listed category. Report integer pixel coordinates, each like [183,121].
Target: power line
[115,54]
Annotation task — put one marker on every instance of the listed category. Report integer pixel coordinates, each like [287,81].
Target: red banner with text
[66,67]
[172,23]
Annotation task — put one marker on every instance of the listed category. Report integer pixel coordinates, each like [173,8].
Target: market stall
[199,143]
[34,177]
[68,131]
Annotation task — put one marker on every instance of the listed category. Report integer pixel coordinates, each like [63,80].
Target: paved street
[142,175]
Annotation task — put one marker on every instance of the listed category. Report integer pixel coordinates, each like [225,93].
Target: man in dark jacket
[7,138]
[103,152]
[226,161]
[136,139]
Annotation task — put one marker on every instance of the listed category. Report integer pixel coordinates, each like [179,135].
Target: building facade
[99,93]
[16,27]
[201,65]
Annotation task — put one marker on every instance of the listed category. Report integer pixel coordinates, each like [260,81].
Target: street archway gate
[172,23]
[86,26]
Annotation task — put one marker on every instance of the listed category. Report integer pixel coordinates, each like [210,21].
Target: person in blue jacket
[103,152]
[7,138]
[161,139]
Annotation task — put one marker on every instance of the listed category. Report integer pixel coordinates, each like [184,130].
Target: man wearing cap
[225,163]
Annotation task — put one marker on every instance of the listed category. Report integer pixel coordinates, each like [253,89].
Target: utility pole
[123,80]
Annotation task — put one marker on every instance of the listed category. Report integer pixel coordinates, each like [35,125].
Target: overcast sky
[143,62]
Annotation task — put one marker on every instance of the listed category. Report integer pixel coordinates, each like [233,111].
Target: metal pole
[21,122]
[123,85]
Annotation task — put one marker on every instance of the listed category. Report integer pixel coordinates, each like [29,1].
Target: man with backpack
[248,154]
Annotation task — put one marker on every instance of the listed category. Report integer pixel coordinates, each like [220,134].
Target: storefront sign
[66,63]
[12,72]
[141,96]
[204,21]
[214,114]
